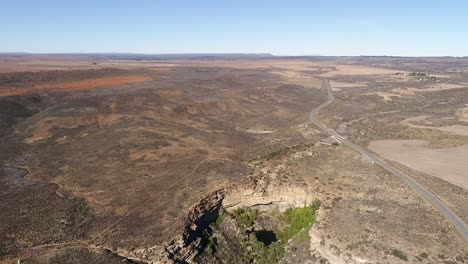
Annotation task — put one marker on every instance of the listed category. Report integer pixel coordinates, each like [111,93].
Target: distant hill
[138,56]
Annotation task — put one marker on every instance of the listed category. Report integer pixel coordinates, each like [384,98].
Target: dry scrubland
[110,160]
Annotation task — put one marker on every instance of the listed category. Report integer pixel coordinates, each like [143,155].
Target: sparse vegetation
[212,245]
[220,218]
[399,254]
[176,137]
[282,152]
[460,258]
[424,255]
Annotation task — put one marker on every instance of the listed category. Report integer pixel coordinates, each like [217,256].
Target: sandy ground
[462,114]
[385,95]
[336,84]
[45,63]
[297,78]
[297,65]
[357,70]
[449,164]
[432,88]
[454,129]
[399,92]
[75,86]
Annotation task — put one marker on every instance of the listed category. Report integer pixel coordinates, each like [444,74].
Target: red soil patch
[76,85]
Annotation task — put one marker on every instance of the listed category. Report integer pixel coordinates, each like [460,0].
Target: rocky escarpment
[197,230]
[279,198]
[261,190]
[266,191]
[185,247]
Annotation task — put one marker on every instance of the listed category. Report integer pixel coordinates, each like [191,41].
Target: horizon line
[246,54]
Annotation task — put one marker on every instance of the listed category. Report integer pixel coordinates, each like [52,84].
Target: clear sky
[281,27]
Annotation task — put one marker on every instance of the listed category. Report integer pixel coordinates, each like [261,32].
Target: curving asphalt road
[375,159]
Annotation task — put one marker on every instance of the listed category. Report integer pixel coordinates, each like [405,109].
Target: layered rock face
[185,249]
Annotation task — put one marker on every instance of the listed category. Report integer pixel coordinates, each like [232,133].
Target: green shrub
[297,219]
[294,220]
[220,217]
[246,217]
[268,254]
[212,246]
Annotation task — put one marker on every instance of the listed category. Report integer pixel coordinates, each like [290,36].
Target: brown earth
[140,156]
[95,167]
[74,86]
[448,164]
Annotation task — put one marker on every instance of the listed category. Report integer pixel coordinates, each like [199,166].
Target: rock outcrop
[192,242]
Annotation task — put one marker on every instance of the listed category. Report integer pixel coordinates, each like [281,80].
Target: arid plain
[105,159]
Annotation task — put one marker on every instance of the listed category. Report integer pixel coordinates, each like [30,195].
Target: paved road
[374,158]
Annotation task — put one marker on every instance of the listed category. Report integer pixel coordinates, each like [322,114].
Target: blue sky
[293,27]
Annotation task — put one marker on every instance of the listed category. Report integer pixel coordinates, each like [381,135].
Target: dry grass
[41,129]
[357,70]
[399,92]
[298,78]
[37,65]
[462,114]
[159,149]
[453,129]
[336,84]
[76,85]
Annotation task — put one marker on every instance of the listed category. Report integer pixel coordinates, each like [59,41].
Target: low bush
[297,219]
[246,217]
[399,254]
